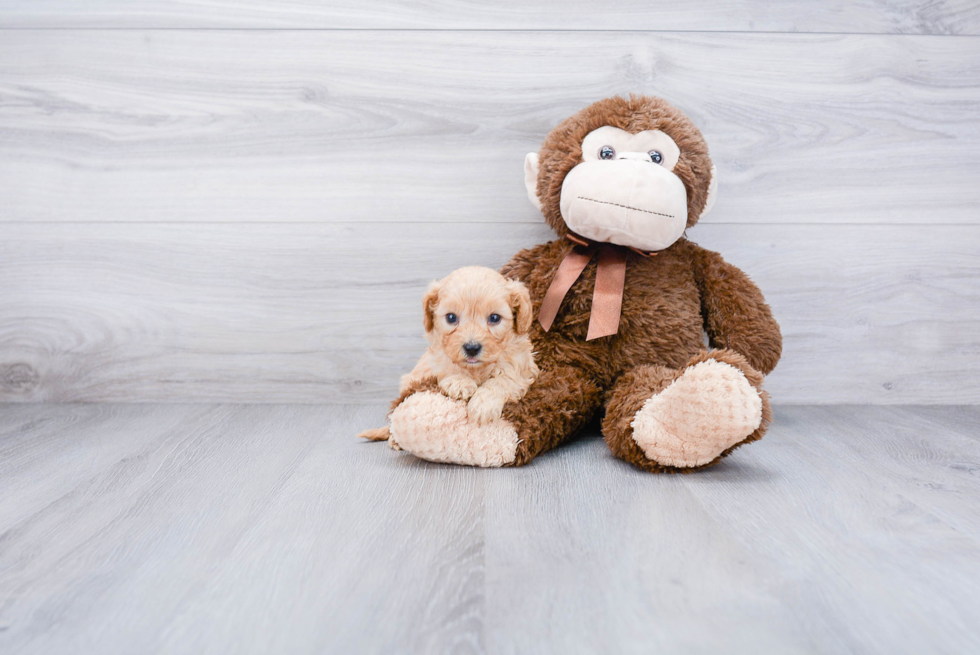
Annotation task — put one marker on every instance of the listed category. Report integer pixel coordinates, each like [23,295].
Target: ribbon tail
[607,299]
[568,271]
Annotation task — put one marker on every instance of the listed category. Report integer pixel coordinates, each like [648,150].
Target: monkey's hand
[459,387]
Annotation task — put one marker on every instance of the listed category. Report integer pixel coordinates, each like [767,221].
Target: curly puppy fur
[667,302]
[477,324]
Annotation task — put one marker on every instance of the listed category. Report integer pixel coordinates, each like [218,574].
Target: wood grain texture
[817,539]
[945,17]
[190,529]
[331,312]
[312,126]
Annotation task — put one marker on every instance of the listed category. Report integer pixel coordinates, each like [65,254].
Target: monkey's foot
[431,426]
[708,410]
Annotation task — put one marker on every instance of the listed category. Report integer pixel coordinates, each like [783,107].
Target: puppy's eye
[451,319]
[493,319]
[607,152]
[656,157]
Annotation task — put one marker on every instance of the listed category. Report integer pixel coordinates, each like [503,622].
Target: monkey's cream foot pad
[708,409]
[431,426]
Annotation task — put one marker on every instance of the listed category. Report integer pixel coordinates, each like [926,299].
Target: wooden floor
[237,528]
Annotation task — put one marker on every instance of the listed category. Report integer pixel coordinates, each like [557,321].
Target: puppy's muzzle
[472,348]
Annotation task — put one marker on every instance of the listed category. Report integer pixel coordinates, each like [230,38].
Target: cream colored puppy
[477,323]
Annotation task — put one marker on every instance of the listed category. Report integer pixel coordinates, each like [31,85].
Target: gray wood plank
[48,455]
[937,475]
[272,529]
[395,547]
[790,545]
[122,536]
[310,126]
[964,421]
[864,529]
[146,556]
[624,562]
[945,17]
[308,313]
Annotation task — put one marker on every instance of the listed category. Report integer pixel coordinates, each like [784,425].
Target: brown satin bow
[610,280]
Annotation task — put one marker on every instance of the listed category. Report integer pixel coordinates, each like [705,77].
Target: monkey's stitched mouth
[616,204]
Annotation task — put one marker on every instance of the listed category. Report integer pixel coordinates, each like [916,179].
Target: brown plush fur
[669,298]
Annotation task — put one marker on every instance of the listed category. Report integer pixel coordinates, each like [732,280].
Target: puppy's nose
[472,348]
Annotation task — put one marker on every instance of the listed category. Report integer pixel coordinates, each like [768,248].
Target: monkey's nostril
[472,348]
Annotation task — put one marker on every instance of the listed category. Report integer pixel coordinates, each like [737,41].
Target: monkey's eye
[607,152]
[493,319]
[451,319]
[656,157]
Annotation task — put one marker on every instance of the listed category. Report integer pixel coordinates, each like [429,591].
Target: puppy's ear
[429,303]
[520,304]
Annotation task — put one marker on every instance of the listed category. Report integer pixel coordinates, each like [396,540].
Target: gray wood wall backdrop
[215,201]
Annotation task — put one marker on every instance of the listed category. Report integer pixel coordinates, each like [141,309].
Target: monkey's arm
[735,313]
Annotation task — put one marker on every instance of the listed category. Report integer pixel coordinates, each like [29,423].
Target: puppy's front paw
[458,386]
[484,408]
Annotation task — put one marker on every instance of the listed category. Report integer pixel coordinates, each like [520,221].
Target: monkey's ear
[531,178]
[712,193]
[429,303]
[520,304]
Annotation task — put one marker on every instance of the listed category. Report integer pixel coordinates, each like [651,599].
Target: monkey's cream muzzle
[624,191]
[630,202]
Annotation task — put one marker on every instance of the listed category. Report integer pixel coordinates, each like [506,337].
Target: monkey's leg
[663,419]
[434,427]
[560,403]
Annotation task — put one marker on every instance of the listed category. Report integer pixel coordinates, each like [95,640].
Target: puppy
[477,323]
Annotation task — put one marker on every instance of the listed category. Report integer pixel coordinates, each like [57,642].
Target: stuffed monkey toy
[621,301]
